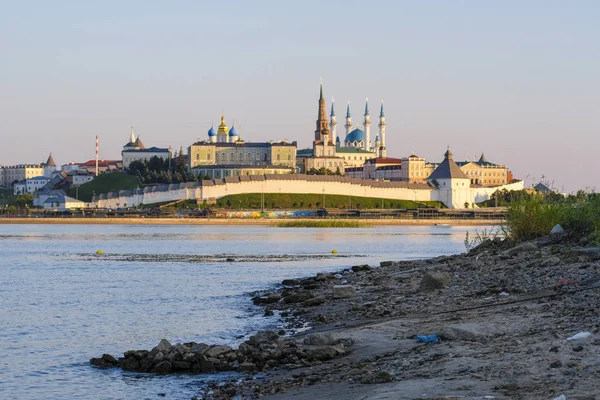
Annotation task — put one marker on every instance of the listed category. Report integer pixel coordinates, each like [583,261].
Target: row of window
[240,158]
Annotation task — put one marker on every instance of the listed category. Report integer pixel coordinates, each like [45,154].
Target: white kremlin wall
[302,184]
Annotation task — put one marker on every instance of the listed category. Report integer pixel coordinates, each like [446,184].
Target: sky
[517,80]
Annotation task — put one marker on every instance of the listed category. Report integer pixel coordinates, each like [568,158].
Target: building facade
[135,150]
[226,154]
[485,173]
[30,185]
[17,173]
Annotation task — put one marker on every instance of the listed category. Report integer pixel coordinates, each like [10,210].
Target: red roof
[92,163]
[384,160]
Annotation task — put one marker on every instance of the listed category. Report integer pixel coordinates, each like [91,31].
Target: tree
[466,204]
[24,200]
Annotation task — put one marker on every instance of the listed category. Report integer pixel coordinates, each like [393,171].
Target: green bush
[536,215]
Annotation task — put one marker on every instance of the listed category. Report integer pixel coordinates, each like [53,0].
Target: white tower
[132,137]
[367,125]
[333,124]
[348,125]
[382,149]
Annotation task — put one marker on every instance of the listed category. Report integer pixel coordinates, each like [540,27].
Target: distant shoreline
[232,221]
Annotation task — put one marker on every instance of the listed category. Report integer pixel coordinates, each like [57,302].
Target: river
[60,304]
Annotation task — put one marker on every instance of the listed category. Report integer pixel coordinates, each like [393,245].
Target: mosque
[331,153]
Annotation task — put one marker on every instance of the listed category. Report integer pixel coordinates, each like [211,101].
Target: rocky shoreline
[502,316]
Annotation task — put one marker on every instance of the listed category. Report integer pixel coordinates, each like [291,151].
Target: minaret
[348,125]
[322,123]
[382,149]
[333,124]
[132,138]
[367,125]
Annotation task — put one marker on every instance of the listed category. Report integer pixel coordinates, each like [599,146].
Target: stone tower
[367,124]
[348,125]
[382,149]
[333,124]
[322,123]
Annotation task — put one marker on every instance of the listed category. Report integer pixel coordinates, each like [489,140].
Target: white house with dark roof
[30,185]
[135,150]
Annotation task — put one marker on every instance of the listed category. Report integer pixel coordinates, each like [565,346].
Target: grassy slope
[111,182]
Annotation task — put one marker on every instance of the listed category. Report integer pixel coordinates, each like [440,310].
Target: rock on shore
[503,315]
[263,351]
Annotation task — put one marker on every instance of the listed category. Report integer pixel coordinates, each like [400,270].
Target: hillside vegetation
[313,201]
[108,182]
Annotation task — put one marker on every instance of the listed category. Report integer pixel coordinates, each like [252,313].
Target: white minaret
[132,138]
[333,124]
[382,149]
[367,125]
[348,125]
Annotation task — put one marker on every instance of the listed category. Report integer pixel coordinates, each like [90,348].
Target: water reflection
[60,307]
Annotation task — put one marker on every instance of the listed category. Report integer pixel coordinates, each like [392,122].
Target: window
[265,157]
[197,156]
[249,157]
[278,157]
[232,157]
[208,156]
[289,157]
[241,158]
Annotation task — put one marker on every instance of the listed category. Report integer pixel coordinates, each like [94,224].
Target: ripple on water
[61,305]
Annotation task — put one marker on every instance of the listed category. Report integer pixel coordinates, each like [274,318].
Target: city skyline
[524,91]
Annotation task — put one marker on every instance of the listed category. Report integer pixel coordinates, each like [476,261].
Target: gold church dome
[223,129]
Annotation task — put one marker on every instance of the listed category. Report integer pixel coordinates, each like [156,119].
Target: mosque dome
[356,135]
[212,132]
[233,132]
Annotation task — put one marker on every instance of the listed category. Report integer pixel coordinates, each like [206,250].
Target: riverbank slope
[504,317]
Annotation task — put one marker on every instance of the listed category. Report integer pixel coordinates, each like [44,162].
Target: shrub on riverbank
[534,216]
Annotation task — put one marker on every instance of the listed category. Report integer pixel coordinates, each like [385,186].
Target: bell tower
[322,123]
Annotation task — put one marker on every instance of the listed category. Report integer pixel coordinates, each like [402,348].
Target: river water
[60,304]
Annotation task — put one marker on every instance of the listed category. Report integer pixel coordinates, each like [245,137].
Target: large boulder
[470,332]
[217,351]
[319,339]
[263,337]
[298,297]
[359,268]
[163,367]
[522,248]
[130,364]
[323,353]
[164,346]
[343,291]
[314,301]
[247,367]
[435,280]
[377,377]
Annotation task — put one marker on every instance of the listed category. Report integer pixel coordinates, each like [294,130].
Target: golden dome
[223,129]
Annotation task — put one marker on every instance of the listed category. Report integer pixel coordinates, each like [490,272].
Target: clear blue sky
[518,80]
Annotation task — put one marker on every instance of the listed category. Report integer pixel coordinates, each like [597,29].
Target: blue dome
[212,132]
[356,135]
[233,132]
